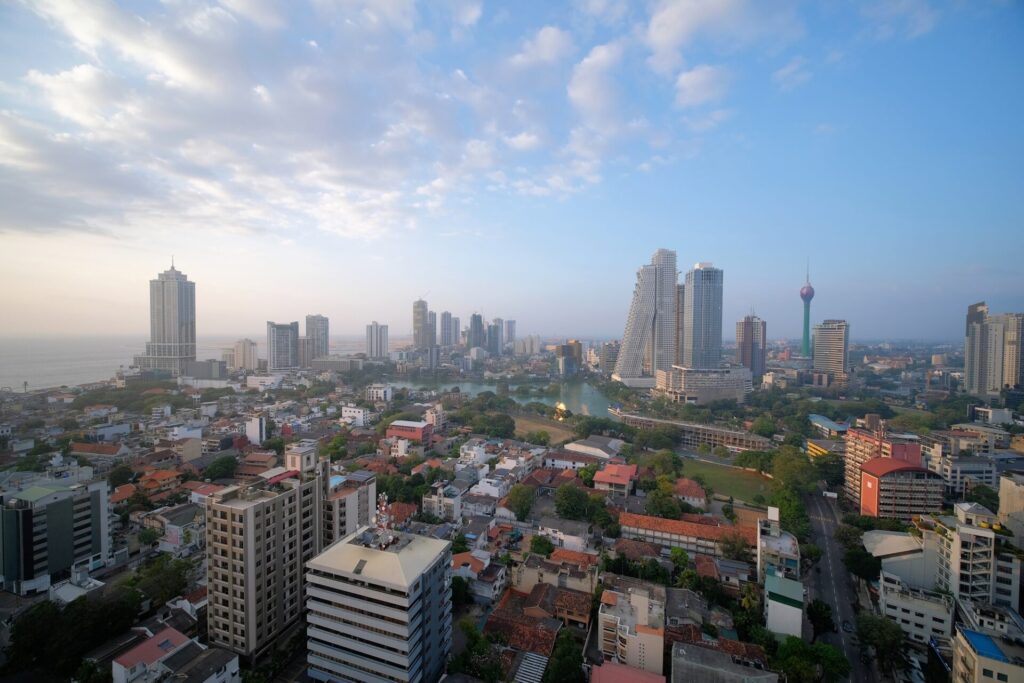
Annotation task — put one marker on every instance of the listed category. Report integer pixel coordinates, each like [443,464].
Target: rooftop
[613,672]
[153,649]
[682,528]
[889,543]
[879,467]
[399,564]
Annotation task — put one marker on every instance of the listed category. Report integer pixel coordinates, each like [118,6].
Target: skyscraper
[476,336]
[702,321]
[993,346]
[806,294]
[420,320]
[245,355]
[831,348]
[431,329]
[446,329]
[751,336]
[493,345]
[648,342]
[510,331]
[376,340]
[501,334]
[318,332]
[282,345]
[172,323]
[456,331]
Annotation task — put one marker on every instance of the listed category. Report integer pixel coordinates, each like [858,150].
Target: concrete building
[256,429]
[476,336]
[1011,502]
[349,504]
[993,348]
[48,528]
[692,662]
[783,605]
[172,323]
[701,342]
[258,538]
[899,490]
[416,431]
[319,336]
[631,627]
[922,614]
[980,657]
[282,346]
[245,356]
[456,331]
[940,453]
[704,385]
[444,500]
[752,345]
[376,340]
[420,324]
[690,536]
[510,332]
[831,350]
[379,393]
[777,550]
[380,608]
[445,338]
[649,338]
[862,445]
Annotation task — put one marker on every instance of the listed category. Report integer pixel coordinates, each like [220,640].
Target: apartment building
[863,445]
[922,614]
[349,503]
[899,490]
[416,431]
[444,500]
[776,549]
[380,608]
[631,623]
[980,657]
[258,537]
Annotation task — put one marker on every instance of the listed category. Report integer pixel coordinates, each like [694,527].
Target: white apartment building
[435,416]
[379,608]
[631,625]
[783,605]
[922,614]
[444,501]
[349,504]
[357,416]
[258,537]
[379,393]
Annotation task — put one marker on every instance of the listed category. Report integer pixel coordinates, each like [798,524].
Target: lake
[579,397]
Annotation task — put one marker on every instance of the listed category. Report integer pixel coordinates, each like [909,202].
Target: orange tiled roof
[401,512]
[681,528]
[634,550]
[476,565]
[618,475]
[122,493]
[95,448]
[688,488]
[573,557]
[706,565]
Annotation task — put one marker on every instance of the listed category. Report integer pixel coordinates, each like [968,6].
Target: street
[833,584]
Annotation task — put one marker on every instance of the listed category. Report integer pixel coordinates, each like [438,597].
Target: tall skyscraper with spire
[806,294]
[649,339]
[172,323]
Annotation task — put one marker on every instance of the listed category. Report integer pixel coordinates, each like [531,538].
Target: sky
[519,159]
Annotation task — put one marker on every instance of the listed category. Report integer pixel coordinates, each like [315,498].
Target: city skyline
[573,122]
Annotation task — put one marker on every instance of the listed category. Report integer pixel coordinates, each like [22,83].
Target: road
[834,584]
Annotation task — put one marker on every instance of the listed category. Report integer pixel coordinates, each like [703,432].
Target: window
[987,673]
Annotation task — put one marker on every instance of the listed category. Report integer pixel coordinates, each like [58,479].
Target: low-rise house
[101,454]
[154,482]
[142,661]
[691,493]
[565,604]
[617,479]
[487,579]
[692,537]
[566,533]
[519,631]
[564,568]
[476,505]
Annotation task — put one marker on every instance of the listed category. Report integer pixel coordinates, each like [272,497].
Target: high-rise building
[47,529]
[245,356]
[501,333]
[680,320]
[376,340]
[649,339]
[494,339]
[476,336]
[318,333]
[862,446]
[420,321]
[431,329]
[350,503]
[282,345]
[380,608]
[456,331]
[751,338]
[831,350]
[607,354]
[993,351]
[172,323]
[702,317]
[569,357]
[446,338]
[806,294]
[510,331]
[259,535]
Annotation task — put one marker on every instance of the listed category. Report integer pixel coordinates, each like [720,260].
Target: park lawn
[729,481]
[558,431]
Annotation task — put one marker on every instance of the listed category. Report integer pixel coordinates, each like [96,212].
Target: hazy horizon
[349,158]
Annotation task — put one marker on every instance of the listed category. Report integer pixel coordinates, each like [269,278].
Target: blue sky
[519,159]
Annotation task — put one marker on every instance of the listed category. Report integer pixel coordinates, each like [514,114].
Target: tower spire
[808,270]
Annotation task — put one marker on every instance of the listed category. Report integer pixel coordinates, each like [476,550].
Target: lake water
[580,397]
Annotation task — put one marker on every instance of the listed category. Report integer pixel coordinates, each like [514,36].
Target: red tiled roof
[95,448]
[688,488]
[681,528]
[634,550]
[149,651]
[619,475]
[879,467]
[401,512]
[586,560]
[198,595]
[122,493]
[476,565]
[706,565]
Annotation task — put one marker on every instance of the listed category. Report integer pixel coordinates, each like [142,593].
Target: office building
[751,341]
[477,335]
[376,341]
[569,357]
[952,455]
[172,323]
[680,320]
[922,614]
[862,445]
[806,295]
[259,535]
[47,529]
[282,346]
[305,352]
[510,331]
[431,329]
[649,338]
[897,489]
[777,549]
[631,624]
[701,343]
[379,608]
[493,345]
[318,333]
[456,331]
[831,350]
[993,351]
[420,323]
[350,503]
[704,385]
[245,356]
[445,333]
[607,355]
[500,324]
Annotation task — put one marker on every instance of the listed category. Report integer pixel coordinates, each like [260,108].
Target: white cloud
[592,90]
[549,46]
[606,11]
[911,18]
[707,122]
[701,85]
[523,142]
[264,13]
[468,12]
[792,75]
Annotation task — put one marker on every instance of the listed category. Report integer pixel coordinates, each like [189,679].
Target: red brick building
[417,432]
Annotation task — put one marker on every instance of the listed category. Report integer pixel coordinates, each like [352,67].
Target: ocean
[68,361]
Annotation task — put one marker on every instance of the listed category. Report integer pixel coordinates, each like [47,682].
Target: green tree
[734,547]
[792,469]
[566,663]
[885,637]
[274,443]
[720,451]
[862,564]
[221,468]
[541,545]
[664,462]
[848,536]
[480,658]
[460,545]
[704,449]
[983,495]
[819,613]
[572,503]
[120,475]
[662,504]
[539,437]
[679,558]
[764,426]
[587,474]
[806,663]
[149,536]
[460,592]
[520,500]
[162,579]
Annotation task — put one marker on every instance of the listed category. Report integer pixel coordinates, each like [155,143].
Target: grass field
[729,481]
[558,431]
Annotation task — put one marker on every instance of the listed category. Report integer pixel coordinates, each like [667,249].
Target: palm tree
[750,600]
